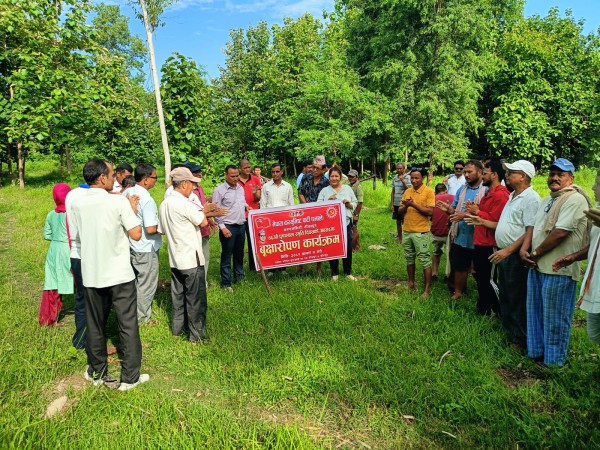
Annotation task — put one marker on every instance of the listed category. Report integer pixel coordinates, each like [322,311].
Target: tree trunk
[362,166]
[334,154]
[161,118]
[295,169]
[374,164]
[9,163]
[430,174]
[406,157]
[21,164]
[68,159]
[284,164]
[61,160]
[386,170]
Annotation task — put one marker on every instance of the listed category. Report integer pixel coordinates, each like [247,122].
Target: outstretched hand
[564,261]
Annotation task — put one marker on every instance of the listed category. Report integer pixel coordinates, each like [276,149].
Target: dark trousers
[80,322]
[487,301]
[123,299]
[188,294]
[251,264]
[232,247]
[512,281]
[334,264]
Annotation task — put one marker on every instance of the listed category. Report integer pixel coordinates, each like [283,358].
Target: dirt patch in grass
[386,285]
[58,397]
[513,378]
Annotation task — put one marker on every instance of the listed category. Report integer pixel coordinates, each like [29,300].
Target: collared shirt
[193,198]
[232,198]
[72,196]
[147,213]
[399,187]
[464,237]
[248,187]
[274,195]
[570,218]
[101,222]
[439,219]
[490,208]
[414,221]
[179,221]
[518,214]
[591,299]
[345,193]
[454,183]
[358,191]
[309,189]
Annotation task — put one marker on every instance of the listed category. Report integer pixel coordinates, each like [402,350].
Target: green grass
[318,365]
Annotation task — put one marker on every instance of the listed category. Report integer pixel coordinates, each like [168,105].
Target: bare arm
[135,233]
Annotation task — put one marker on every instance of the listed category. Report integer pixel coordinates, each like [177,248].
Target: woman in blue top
[338,191]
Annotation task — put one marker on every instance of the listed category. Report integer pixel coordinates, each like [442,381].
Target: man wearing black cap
[560,228]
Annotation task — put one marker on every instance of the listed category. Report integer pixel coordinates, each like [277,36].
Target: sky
[200,28]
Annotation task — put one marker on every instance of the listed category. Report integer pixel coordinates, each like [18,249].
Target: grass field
[317,365]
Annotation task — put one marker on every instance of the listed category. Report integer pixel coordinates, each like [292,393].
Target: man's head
[99,174]
[519,173]
[276,172]
[194,168]
[123,170]
[318,170]
[145,175]
[417,175]
[232,175]
[244,168]
[307,166]
[183,181]
[256,170]
[127,182]
[493,173]
[561,174]
[400,168]
[353,176]
[459,167]
[473,172]
[440,188]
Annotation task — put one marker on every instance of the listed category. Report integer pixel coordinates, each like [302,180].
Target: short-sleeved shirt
[358,191]
[309,189]
[591,298]
[414,221]
[439,219]
[518,214]
[231,198]
[274,195]
[490,208]
[464,238]
[147,213]
[179,221]
[71,198]
[100,223]
[248,187]
[454,183]
[346,193]
[571,218]
[399,188]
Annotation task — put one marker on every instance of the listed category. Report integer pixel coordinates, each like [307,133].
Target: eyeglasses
[458,168]
[154,178]
[275,171]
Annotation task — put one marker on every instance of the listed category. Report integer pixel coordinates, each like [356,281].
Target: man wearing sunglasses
[144,253]
[455,181]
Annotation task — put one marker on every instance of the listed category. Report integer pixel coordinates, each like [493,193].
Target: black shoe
[434,278]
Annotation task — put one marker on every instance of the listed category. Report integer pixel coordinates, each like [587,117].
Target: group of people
[523,251]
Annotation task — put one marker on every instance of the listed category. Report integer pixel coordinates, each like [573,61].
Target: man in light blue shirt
[307,167]
[144,253]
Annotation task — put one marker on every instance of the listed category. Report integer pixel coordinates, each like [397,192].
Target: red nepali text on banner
[299,234]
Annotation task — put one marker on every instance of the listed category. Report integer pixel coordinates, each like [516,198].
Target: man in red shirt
[252,190]
[485,217]
[439,227]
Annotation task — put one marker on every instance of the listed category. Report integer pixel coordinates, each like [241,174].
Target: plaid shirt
[309,189]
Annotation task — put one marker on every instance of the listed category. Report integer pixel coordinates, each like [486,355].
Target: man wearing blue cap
[560,228]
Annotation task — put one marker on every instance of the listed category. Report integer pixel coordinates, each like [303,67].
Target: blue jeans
[232,247]
[80,322]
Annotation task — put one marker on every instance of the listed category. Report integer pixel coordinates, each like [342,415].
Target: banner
[299,234]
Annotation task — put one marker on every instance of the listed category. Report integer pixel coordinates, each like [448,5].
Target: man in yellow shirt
[417,207]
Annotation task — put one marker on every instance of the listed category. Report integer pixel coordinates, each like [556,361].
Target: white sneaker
[335,277]
[351,277]
[127,386]
[108,380]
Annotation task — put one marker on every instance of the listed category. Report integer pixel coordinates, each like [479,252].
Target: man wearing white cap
[560,228]
[517,216]
[180,221]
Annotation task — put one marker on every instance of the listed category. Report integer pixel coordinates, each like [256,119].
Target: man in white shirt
[144,253]
[518,215]
[454,182]
[276,192]
[180,221]
[122,171]
[101,223]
